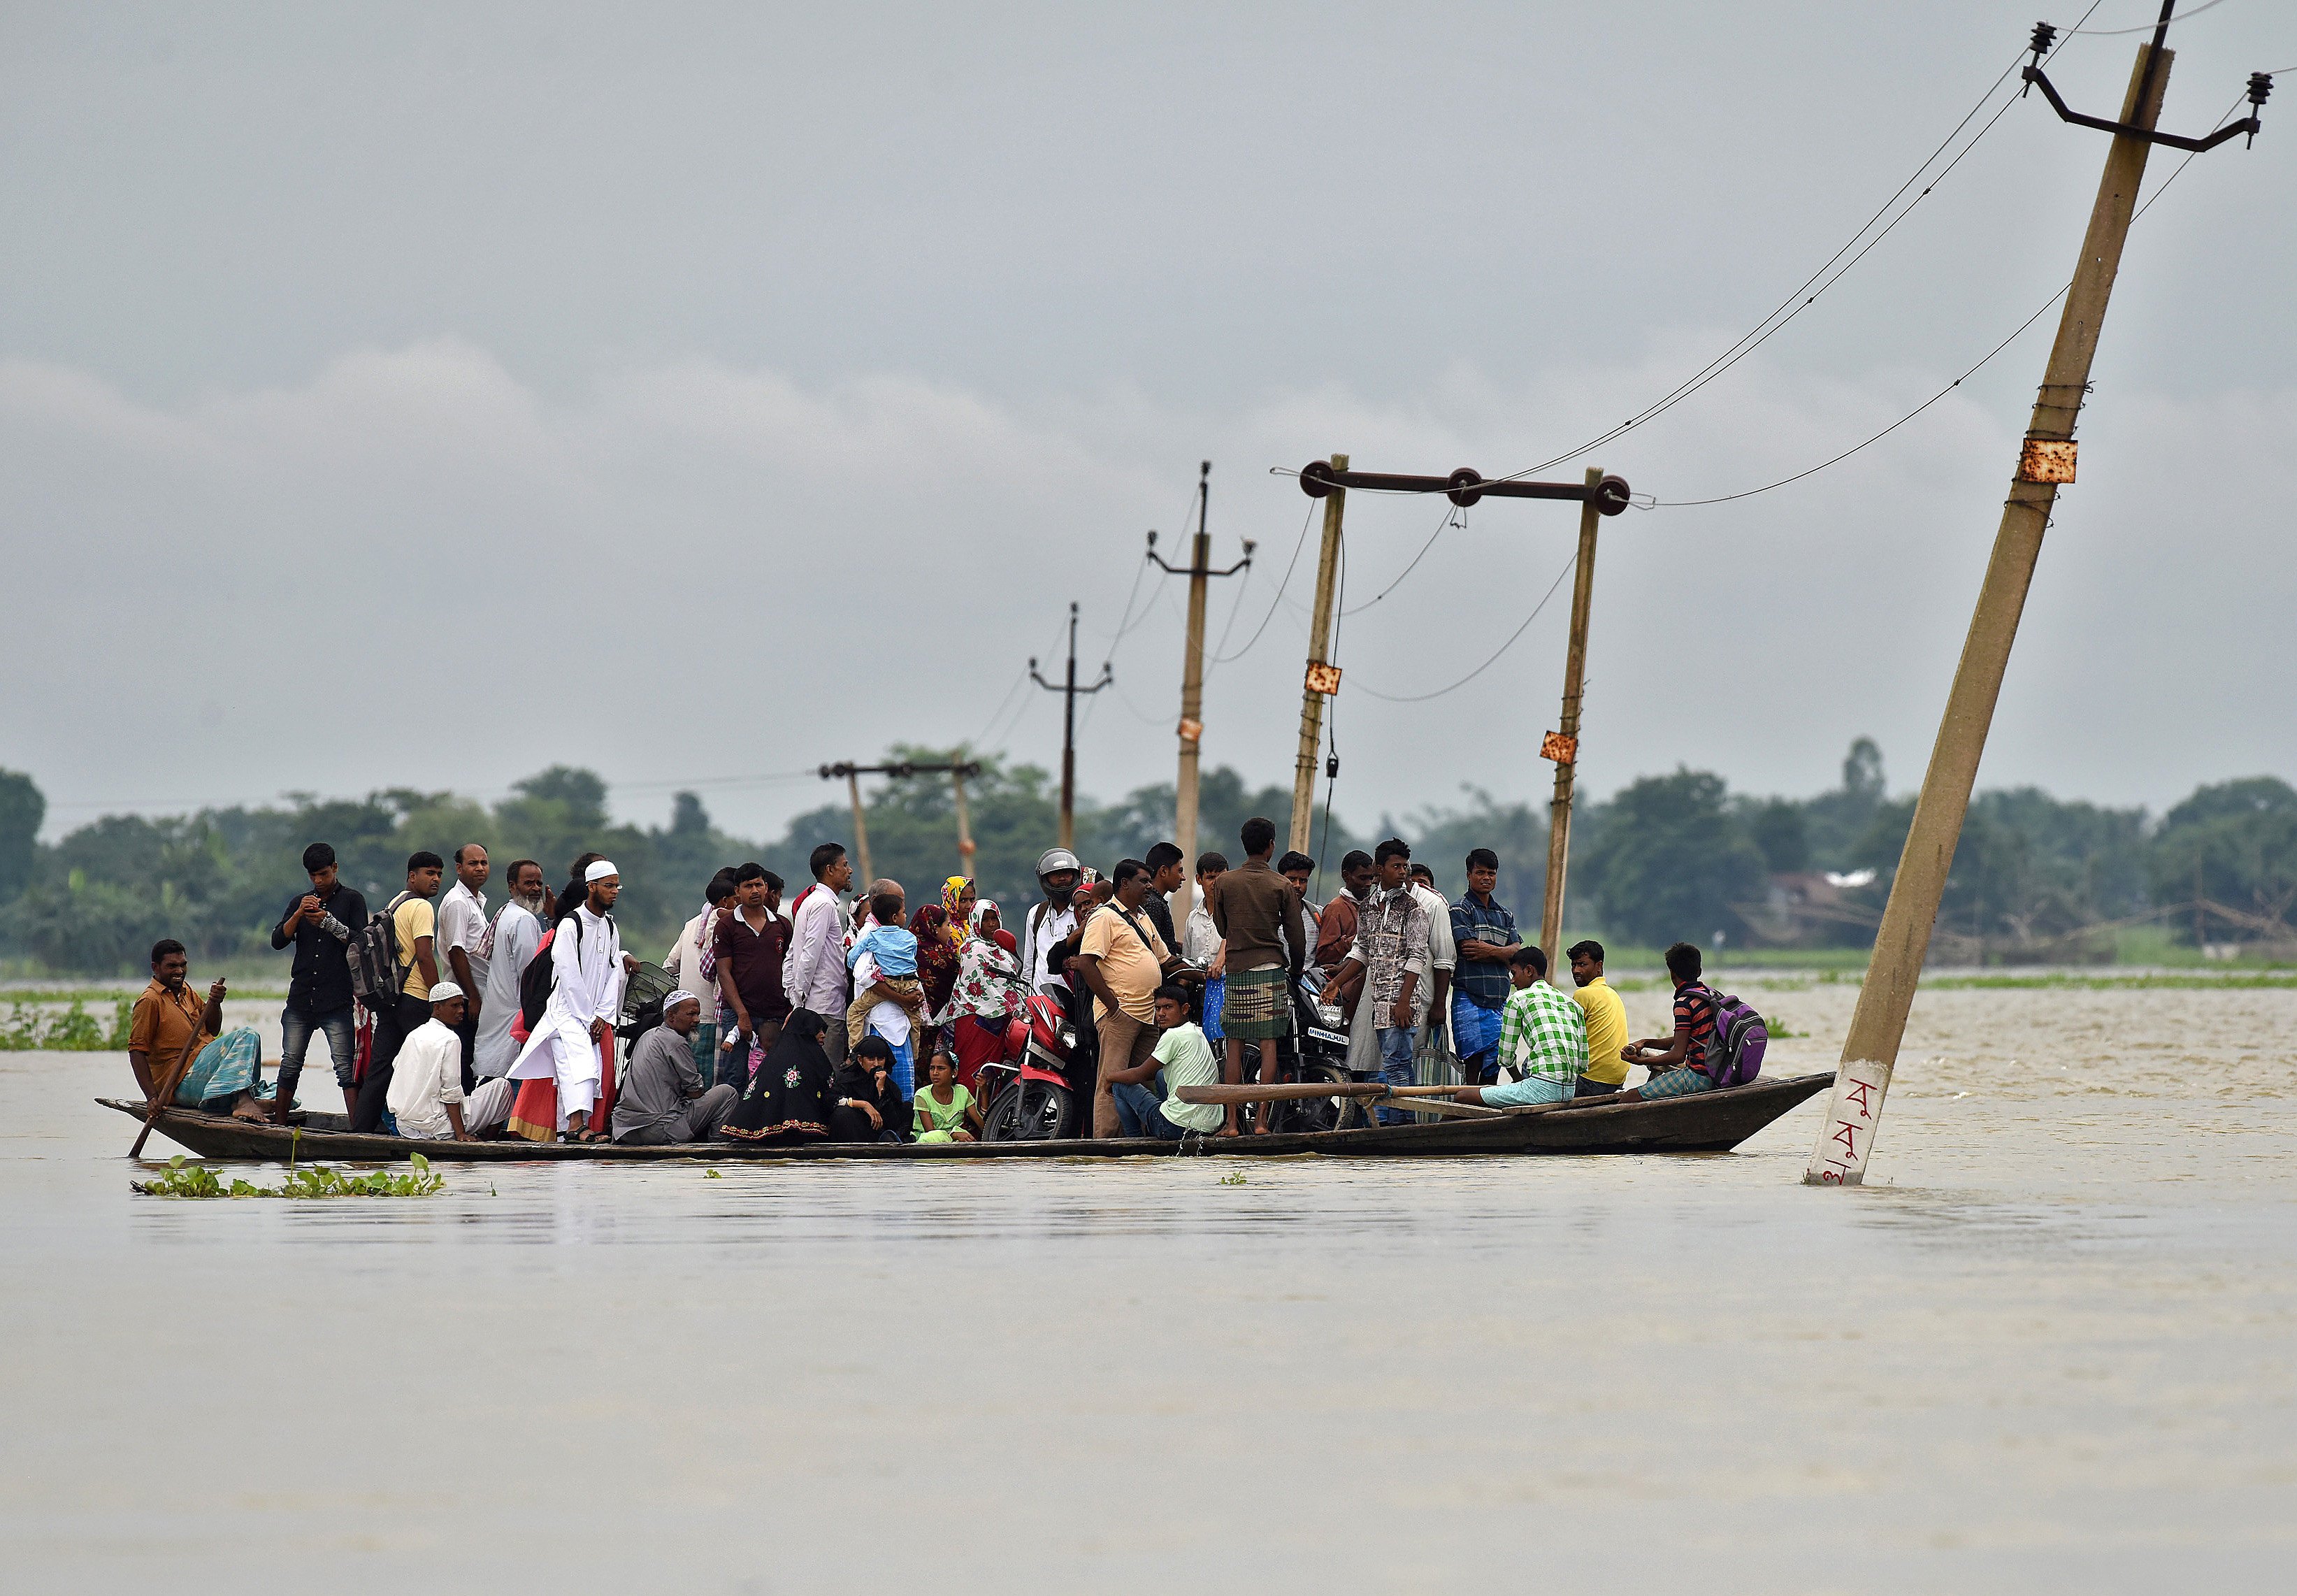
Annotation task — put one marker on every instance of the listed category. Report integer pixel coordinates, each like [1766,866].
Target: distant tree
[22,809]
[2234,844]
[1778,828]
[1835,823]
[1668,860]
[1441,839]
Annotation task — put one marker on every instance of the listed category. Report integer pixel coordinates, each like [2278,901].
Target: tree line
[1668,856]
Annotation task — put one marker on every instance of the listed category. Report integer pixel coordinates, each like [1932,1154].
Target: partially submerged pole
[1322,678]
[1563,747]
[1879,1023]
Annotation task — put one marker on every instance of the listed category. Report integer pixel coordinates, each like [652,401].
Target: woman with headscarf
[957,898]
[936,967]
[791,1097]
[989,924]
[985,999]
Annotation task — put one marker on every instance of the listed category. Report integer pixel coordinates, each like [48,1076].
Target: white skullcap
[679,995]
[599,868]
[444,990]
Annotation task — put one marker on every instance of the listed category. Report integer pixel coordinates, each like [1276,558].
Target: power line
[1487,664]
[1297,545]
[1812,470]
[1450,513]
[2107,33]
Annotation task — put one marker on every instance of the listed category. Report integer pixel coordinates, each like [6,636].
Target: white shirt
[424,1078]
[1038,935]
[1443,952]
[463,923]
[1200,939]
[684,964]
[888,1020]
[587,972]
[515,932]
[813,971]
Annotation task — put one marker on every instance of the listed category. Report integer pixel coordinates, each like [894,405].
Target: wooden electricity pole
[1069,691]
[958,768]
[1879,1021]
[1563,747]
[1322,678]
[965,850]
[1200,571]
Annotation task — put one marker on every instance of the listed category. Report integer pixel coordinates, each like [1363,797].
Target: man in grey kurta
[662,1099]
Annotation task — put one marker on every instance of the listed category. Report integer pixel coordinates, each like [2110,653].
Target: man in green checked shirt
[1542,1039]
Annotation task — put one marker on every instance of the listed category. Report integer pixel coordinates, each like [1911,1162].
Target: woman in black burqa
[792,1097]
[867,1104]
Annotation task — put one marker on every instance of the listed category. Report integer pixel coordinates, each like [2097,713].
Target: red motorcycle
[1041,1088]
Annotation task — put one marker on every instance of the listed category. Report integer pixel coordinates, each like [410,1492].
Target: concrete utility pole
[1199,570]
[1069,691]
[1322,678]
[965,850]
[1879,1023]
[853,774]
[1598,495]
[1563,747]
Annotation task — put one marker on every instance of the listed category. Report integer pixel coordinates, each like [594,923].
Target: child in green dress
[946,1110]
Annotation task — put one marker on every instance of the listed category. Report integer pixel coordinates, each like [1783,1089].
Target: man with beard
[573,1043]
[508,947]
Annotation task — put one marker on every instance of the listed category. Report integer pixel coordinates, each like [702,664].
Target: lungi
[1257,1004]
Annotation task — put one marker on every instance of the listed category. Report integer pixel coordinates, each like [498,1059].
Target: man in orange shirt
[169,1020]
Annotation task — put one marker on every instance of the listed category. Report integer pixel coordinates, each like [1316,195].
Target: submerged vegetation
[31,1025]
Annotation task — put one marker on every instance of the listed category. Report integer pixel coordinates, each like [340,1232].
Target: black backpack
[541,975]
[373,955]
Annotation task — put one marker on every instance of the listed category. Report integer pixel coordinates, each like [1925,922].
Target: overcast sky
[701,392]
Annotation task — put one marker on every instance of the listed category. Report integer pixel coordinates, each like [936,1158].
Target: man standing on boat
[508,947]
[1391,954]
[1484,933]
[1264,934]
[462,933]
[575,1037]
[1051,921]
[813,971]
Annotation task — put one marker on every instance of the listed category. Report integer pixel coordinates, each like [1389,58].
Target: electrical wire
[2107,33]
[1451,513]
[1298,544]
[1876,438]
[1487,664]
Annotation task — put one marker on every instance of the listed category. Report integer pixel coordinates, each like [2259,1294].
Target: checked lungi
[1257,1004]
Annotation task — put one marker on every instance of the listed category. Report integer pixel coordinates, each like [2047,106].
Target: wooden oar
[1286,1090]
[166,1092]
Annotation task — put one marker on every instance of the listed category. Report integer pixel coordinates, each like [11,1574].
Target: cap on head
[446,992]
[599,869]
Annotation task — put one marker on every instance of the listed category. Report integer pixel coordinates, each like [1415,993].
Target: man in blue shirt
[1486,935]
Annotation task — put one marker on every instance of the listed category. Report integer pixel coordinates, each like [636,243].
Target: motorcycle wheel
[1321,1113]
[1031,1111]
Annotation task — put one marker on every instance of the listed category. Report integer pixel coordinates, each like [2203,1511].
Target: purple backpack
[1734,1056]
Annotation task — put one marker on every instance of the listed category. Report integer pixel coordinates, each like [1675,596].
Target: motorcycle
[1041,1088]
[1316,1050]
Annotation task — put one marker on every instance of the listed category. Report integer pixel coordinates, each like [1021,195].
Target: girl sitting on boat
[946,1110]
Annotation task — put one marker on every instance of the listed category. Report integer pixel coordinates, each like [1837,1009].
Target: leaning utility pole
[1199,570]
[1069,691]
[1323,678]
[1879,1021]
[1563,746]
[853,774]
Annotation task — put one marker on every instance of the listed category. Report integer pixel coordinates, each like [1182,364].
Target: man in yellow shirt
[1607,1022]
[414,925]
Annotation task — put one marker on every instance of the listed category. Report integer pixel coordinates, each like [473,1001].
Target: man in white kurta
[586,995]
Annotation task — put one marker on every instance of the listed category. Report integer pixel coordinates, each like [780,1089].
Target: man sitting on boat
[1542,1041]
[169,1021]
[426,1078]
[663,1099]
[1679,1063]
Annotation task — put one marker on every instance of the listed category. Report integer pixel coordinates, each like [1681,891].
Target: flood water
[2049,1349]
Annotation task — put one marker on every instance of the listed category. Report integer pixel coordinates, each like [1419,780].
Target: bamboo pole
[861,830]
[965,849]
[1320,642]
[1879,1023]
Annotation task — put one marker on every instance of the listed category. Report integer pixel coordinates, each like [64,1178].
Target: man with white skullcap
[574,1039]
[427,1078]
[662,1101]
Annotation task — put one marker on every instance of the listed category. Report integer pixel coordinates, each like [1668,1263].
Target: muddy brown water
[2050,1348]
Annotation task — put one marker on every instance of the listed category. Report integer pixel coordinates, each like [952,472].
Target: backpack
[373,955]
[540,975]
[1734,1055]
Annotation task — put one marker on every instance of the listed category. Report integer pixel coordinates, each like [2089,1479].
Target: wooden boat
[1708,1122]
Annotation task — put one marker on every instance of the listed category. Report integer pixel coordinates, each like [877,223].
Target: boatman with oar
[573,1039]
